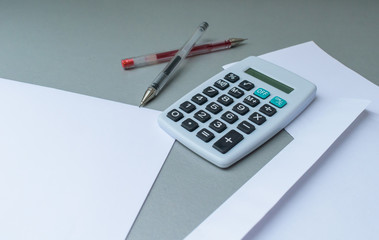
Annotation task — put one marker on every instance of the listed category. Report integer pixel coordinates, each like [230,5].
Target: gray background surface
[77,46]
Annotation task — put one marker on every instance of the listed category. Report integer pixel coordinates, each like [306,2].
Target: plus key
[228,141]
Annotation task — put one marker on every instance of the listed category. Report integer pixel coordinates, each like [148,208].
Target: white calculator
[237,110]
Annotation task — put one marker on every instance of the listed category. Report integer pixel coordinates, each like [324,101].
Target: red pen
[154,58]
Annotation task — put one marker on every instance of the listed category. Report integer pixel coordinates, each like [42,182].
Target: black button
[175,115]
[205,135]
[246,127]
[268,110]
[218,126]
[231,77]
[190,124]
[229,117]
[251,101]
[236,92]
[225,100]
[246,85]
[210,91]
[214,108]
[257,118]
[199,99]
[228,141]
[187,107]
[221,84]
[240,108]
[202,116]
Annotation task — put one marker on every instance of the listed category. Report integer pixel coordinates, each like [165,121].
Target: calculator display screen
[268,80]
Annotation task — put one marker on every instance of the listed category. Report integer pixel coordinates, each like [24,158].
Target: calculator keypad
[237,110]
[244,107]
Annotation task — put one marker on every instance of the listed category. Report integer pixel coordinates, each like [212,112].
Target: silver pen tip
[236,41]
[149,94]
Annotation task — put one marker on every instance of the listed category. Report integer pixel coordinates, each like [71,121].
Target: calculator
[237,110]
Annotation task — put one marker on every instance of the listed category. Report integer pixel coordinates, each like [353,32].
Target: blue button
[262,93]
[279,102]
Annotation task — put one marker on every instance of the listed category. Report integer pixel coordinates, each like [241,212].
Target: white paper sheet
[73,166]
[338,200]
[329,112]
[333,79]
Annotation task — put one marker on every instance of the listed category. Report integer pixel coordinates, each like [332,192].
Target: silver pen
[172,66]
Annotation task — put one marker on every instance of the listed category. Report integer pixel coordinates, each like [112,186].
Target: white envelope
[336,106]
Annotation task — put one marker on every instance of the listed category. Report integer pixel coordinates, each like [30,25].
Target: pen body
[150,59]
[177,60]
[173,65]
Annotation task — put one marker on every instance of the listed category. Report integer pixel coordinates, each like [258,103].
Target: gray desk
[77,46]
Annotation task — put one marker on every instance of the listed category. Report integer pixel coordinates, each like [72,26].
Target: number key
[175,115]
[229,117]
[214,108]
[187,107]
[202,116]
[225,100]
[199,99]
[218,126]
[210,91]
[240,109]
